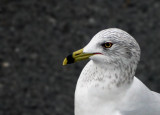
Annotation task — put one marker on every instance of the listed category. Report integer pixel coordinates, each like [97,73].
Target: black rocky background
[36,35]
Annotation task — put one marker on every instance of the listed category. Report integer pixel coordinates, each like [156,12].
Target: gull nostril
[77,54]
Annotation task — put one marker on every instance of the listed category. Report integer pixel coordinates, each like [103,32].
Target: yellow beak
[76,56]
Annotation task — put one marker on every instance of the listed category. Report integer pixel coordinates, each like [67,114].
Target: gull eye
[107,45]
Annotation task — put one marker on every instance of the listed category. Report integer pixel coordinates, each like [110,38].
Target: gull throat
[107,76]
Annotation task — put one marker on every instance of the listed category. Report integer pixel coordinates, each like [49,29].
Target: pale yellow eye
[108,45]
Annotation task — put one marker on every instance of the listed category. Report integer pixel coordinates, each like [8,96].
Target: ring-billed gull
[107,85]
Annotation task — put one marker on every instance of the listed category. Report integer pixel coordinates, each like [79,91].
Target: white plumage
[107,85]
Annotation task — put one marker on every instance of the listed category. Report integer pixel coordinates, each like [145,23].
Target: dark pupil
[107,44]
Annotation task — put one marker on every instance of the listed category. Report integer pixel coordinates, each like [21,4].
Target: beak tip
[65,62]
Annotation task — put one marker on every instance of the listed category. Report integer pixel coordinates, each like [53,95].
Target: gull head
[113,46]
[109,46]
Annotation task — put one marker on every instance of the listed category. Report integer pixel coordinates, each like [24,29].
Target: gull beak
[77,56]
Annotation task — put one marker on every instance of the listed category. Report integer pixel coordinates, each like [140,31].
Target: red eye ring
[107,45]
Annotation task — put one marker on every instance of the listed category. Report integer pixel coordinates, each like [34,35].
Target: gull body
[95,97]
[107,85]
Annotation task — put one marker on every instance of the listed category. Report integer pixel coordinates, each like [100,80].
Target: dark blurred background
[36,35]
